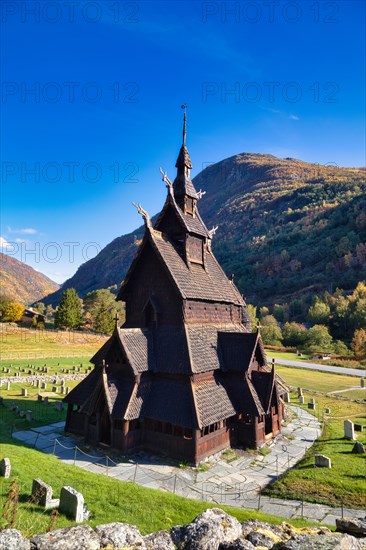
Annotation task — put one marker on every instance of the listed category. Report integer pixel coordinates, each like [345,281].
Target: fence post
[106,460]
[259,498]
[135,474]
[342,508]
[302,505]
[277,466]
[54,447]
[175,484]
[76,450]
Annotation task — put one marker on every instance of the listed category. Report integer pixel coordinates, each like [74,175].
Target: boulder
[119,535]
[12,539]
[352,526]
[159,541]
[257,538]
[81,537]
[207,531]
[238,544]
[320,542]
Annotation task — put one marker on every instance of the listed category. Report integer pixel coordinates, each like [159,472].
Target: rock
[257,538]
[207,531]
[81,537]
[358,448]
[320,542]
[238,544]
[119,535]
[159,541]
[352,526]
[12,539]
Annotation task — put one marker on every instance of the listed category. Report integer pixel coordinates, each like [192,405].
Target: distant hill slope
[286,228]
[21,282]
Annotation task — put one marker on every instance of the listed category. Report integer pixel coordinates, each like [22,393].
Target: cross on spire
[116,318]
[184,107]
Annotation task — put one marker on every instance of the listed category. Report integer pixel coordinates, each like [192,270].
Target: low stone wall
[211,530]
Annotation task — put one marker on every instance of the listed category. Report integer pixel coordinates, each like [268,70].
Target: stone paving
[236,483]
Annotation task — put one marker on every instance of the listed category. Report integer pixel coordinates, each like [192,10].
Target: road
[325,368]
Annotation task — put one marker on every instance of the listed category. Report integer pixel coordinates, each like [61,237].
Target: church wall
[212,443]
[211,312]
[150,279]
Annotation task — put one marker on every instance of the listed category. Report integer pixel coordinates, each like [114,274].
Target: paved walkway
[236,481]
[361,373]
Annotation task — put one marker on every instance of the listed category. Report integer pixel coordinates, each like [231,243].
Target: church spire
[183,186]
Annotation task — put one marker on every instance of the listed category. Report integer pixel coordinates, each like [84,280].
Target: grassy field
[16,341]
[346,480]
[287,355]
[316,380]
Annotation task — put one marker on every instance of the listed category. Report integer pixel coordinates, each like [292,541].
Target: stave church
[184,376]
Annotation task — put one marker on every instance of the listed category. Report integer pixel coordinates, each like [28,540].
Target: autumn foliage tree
[359,344]
[13,311]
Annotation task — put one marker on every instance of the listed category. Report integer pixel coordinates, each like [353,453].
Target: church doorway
[268,426]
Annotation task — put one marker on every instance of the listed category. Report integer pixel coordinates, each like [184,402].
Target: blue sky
[108,80]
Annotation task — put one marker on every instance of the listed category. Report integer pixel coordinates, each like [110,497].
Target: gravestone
[358,448]
[63,390]
[323,461]
[39,398]
[58,406]
[45,400]
[327,410]
[24,392]
[72,504]
[8,386]
[311,406]
[349,429]
[301,399]
[312,400]
[54,389]
[29,416]
[1,400]
[5,467]
[16,409]
[67,389]
[42,494]
[299,392]
[22,414]
[38,383]
[362,382]
[44,386]
[358,428]
[29,372]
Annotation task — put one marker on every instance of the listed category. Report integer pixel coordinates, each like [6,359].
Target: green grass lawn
[288,355]
[316,380]
[47,343]
[346,480]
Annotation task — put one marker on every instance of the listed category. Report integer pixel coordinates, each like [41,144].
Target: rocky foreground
[211,530]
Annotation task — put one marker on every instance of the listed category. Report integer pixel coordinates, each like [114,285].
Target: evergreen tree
[70,312]
[104,321]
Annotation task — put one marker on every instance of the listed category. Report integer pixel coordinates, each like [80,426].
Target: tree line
[333,323]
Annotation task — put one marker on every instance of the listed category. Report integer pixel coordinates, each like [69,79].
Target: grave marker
[72,504]
[323,461]
[349,429]
[5,467]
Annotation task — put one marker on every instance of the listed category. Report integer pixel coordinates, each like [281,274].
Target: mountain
[287,229]
[21,282]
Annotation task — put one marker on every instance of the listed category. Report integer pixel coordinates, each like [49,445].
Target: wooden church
[184,376]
